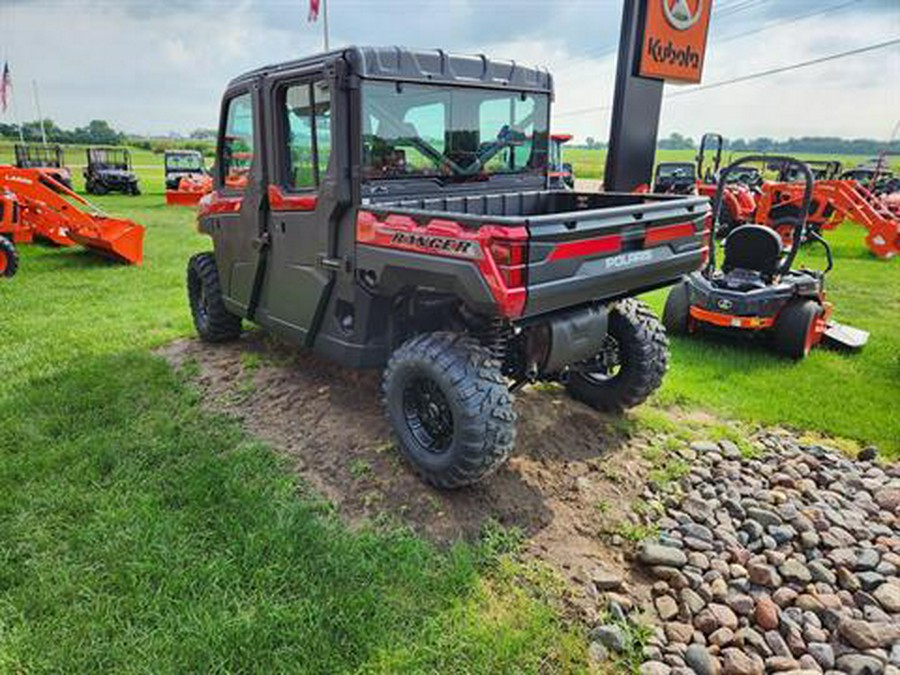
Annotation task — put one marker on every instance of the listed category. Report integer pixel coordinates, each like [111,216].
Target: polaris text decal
[628,259]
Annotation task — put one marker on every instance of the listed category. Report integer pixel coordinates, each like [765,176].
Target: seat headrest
[753,247]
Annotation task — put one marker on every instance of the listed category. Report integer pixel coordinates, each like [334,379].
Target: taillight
[510,257]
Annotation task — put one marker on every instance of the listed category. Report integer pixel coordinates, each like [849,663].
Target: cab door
[299,218]
[233,214]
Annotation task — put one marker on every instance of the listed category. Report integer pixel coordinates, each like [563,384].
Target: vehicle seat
[754,248]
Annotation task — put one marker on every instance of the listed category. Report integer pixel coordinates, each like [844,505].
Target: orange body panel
[190,190]
[730,320]
[51,211]
[11,225]
[834,201]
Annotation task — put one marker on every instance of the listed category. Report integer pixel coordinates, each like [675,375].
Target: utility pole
[325,21]
[37,104]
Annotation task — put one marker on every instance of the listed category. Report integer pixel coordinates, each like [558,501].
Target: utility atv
[394,214]
[49,159]
[756,292]
[109,170]
[187,179]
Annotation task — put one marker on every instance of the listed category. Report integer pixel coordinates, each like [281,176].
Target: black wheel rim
[428,415]
[201,303]
[607,364]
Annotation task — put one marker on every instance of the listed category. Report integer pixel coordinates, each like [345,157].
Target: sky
[159,66]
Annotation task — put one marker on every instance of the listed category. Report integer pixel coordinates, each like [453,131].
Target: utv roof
[423,65]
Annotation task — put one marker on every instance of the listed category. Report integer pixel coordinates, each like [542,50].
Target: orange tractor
[36,206]
[834,200]
[10,232]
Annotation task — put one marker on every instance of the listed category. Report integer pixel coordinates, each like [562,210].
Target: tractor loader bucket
[114,238]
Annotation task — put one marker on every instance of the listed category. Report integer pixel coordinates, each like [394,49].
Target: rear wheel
[99,188]
[631,365]
[450,408]
[794,330]
[135,190]
[213,322]
[9,258]
[676,315]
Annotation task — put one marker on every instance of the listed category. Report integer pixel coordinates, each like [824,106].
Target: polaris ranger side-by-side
[388,208]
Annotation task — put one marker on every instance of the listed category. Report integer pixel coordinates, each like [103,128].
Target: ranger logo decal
[426,242]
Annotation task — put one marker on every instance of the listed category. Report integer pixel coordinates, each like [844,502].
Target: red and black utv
[756,292]
[389,209]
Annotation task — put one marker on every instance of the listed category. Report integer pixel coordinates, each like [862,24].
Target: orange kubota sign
[674,39]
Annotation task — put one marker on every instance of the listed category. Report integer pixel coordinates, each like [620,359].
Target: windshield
[675,171]
[184,162]
[452,132]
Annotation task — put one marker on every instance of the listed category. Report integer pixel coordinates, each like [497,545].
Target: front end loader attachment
[114,238]
[53,212]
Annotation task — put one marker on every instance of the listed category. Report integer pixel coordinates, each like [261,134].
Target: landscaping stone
[781,562]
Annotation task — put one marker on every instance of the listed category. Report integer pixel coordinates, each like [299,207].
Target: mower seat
[754,248]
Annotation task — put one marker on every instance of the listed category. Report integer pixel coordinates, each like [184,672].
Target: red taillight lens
[510,257]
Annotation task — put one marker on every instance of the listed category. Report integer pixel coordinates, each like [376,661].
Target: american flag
[5,86]
[313,10]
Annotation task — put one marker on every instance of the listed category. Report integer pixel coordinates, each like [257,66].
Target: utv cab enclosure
[109,170]
[388,208]
[49,159]
[180,164]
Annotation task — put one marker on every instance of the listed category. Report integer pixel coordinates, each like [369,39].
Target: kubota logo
[679,15]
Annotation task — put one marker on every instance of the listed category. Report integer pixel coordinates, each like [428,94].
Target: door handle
[336,264]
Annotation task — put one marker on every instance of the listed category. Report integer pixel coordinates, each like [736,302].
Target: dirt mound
[574,471]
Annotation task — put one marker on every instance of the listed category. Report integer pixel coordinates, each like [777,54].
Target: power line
[784,22]
[752,76]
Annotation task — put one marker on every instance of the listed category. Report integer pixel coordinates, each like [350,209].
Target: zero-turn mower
[187,179]
[47,158]
[109,170]
[755,291]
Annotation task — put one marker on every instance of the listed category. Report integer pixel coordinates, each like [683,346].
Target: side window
[299,137]
[308,128]
[237,146]
[323,125]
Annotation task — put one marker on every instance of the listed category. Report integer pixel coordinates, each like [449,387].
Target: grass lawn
[138,533]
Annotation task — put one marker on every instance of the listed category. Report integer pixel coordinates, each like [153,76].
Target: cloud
[161,65]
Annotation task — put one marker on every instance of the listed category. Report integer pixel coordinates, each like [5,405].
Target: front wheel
[450,408]
[214,323]
[9,258]
[135,190]
[631,365]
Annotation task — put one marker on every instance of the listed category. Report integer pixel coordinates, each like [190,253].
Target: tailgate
[595,254]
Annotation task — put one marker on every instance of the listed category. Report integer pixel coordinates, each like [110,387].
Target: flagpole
[325,21]
[37,104]
[16,114]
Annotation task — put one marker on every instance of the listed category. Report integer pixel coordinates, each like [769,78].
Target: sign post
[660,40]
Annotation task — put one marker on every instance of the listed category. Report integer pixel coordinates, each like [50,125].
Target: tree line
[97,132]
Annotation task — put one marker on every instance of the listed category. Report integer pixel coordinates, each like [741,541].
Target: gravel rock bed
[781,562]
